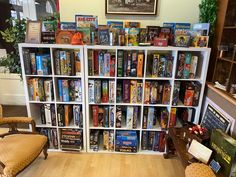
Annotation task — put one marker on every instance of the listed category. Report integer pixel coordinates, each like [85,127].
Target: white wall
[168,11]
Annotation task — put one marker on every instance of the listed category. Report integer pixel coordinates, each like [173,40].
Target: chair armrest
[0,111]
[13,121]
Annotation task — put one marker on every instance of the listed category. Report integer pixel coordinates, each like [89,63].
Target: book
[120,59]
[111,91]
[187,64]
[105,94]
[95,115]
[140,65]
[150,117]
[193,67]
[126,91]
[133,91]
[129,117]
[172,121]
[103,35]
[97,91]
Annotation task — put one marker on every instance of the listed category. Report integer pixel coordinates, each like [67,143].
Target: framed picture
[131,7]
[33,32]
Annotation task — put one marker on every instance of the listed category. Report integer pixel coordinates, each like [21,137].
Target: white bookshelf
[33,106]
[202,53]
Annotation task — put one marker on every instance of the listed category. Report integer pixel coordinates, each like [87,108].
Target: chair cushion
[199,170]
[19,150]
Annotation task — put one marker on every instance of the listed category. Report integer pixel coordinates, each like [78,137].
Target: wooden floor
[103,165]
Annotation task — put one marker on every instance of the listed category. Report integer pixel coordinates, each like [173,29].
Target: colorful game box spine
[78,90]
[126,91]
[151,136]
[97,91]
[125,63]
[33,64]
[91,91]
[180,65]
[166,94]
[111,116]
[119,94]
[90,63]
[105,140]
[193,67]
[135,117]
[107,57]
[60,89]
[133,91]
[144,144]
[39,64]
[77,116]
[111,140]
[175,99]
[155,61]
[111,91]
[164,118]
[187,65]
[112,65]
[101,64]
[41,90]
[129,117]
[57,62]
[120,63]
[68,63]
[188,97]
[140,65]
[105,97]
[72,90]
[169,66]
[118,117]
[147,92]
[150,117]
[153,92]
[77,63]
[48,90]
[101,117]
[62,62]
[129,60]
[95,115]
[197,91]
[65,91]
[140,92]
[106,115]
[162,66]
[96,62]
[133,72]
[173,113]
[162,141]
[45,63]
[156,142]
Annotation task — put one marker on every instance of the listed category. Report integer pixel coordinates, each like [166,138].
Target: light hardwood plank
[67,164]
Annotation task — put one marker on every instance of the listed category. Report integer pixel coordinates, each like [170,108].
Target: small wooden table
[177,142]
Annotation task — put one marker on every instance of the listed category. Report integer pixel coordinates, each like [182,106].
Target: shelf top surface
[169,48]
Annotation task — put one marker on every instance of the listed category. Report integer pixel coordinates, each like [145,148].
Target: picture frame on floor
[131,7]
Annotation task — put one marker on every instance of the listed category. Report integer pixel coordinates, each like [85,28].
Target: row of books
[155,117]
[51,133]
[40,89]
[159,65]
[103,116]
[101,91]
[153,141]
[71,139]
[101,63]
[187,92]
[157,92]
[186,66]
[48,115]
[36,64]
[68,113]
[70,90]
[127,117]
[183,115]
[105,137]
[129,91]
[130,63]
[126,141]
[67,62]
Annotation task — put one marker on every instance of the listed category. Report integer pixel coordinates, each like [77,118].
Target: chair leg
[45,150]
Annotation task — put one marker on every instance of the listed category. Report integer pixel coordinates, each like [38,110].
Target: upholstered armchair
[19,148]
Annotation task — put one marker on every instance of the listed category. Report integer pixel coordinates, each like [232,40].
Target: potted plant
[12,90]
